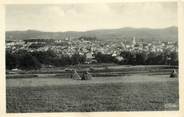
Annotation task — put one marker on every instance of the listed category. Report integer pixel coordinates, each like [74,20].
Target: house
[119,58]
[90,58]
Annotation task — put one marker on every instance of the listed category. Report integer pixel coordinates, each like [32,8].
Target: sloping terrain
[145,34]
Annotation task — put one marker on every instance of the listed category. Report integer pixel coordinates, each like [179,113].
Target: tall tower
[133,41]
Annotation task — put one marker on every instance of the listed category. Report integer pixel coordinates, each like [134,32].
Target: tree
[77,59]
[104,58]
[141,58]
[129,57]
[10,60]
[27,61]
[174,58]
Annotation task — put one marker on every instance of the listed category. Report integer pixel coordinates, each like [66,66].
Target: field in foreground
[156,94]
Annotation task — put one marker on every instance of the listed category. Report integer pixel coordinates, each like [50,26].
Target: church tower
[133,41]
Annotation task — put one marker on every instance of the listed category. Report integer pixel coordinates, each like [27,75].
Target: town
[91,50]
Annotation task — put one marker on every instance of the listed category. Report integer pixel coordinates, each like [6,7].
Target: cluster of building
[70,46]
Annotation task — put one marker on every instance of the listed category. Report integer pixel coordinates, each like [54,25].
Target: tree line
[140,58]
[23,59]
[34,60]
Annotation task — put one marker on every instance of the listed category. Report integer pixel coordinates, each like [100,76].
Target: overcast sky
[81,17]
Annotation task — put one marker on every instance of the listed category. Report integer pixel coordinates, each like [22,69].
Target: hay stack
[75,75]
[86,76]
[173,74]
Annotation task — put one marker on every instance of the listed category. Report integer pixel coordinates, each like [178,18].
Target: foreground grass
[94,97]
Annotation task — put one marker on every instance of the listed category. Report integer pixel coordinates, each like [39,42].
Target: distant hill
[146,34]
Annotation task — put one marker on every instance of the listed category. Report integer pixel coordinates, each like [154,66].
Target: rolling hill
[146,34]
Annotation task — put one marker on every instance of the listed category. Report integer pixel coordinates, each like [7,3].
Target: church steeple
[133,41]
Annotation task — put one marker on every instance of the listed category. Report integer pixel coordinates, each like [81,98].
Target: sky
[90,16]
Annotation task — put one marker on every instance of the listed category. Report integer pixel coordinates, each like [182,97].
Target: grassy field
[87,97]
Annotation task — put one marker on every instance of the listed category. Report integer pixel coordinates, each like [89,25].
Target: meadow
[125,93]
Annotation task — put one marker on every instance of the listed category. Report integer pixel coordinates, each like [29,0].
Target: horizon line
[92,29]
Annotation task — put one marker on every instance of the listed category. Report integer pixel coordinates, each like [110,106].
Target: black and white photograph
[92,57]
